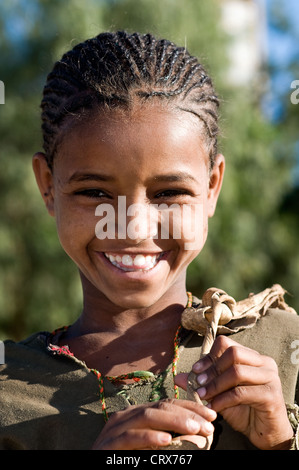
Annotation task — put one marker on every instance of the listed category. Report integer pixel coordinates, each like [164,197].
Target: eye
[173,193]
[92,193]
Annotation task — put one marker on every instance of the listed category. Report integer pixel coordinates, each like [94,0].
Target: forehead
[154,133]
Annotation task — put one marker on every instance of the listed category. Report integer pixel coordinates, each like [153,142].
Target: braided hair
[113,70]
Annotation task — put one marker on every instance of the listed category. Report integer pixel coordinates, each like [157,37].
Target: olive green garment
[51,401]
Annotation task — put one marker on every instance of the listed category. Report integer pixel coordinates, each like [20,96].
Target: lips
[136,262]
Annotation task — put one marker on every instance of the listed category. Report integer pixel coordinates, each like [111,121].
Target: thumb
[181,380]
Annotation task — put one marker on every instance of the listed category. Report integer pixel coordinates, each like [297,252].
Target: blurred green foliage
[253,236]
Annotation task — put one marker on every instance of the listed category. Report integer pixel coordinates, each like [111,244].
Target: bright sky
[282,48]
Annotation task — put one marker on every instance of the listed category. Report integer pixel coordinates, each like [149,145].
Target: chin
[135,300]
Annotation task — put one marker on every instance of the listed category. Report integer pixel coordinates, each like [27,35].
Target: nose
[136,222]
[133,222]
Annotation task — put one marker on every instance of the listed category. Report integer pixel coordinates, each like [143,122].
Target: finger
[172,405]
[149,426]
[201,410]
[200,441]
[138,416]
[231,359]
[189,418]
[181,380]
[181,416]
[235,376]
[258,396]
[135,439]
[224,353]
[144,426]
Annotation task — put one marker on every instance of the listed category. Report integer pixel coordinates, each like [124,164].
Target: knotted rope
[219,313]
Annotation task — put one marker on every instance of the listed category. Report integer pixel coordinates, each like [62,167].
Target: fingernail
[193,426]
[202,392]
[164,438]
[197,367]
[208,427]
[202,378]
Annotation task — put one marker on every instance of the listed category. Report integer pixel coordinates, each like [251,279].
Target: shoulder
[26,355]
[35,342]
[21,354]
[32,363]
[275,331]
[35,354]
[44,395]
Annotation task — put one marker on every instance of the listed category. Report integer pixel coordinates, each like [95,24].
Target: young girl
[130,142]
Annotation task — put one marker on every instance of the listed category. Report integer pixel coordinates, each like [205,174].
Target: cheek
[190,226]
[75,228]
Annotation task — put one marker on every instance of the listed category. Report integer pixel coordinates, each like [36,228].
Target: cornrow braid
[114,69]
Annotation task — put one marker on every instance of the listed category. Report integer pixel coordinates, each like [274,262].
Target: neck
[100,314]
[115,340]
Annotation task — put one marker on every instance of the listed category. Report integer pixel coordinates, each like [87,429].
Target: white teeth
[150,259]
[127,260]
[140,261]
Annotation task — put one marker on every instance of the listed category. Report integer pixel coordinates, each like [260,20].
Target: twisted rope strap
[219,313]
[217,310]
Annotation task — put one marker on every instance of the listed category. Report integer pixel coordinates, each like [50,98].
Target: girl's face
[111,176]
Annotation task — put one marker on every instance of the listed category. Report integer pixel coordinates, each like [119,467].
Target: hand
[149,426]
[244,387]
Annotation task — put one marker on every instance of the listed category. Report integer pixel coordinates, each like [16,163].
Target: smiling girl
[127,115]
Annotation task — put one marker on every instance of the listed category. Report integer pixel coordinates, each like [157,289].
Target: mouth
[136,262]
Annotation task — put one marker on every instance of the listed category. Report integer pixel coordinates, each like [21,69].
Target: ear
[44,179]
[216,178]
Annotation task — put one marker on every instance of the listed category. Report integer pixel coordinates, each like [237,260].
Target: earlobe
[216,179]
[44,179]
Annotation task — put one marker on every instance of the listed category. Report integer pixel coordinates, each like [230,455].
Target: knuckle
[268,390]
[193,416]
[221,341]
[170,401]
[236,372]
[165,404]
[148,413]
[215,370]
[272,397]
[115,417]
[125,435]
[234,354]
[161,405]
[238,394]
[274,387]
[212,388]
[272,364]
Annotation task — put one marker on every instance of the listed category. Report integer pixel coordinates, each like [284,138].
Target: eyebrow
[79,177]
[180,176]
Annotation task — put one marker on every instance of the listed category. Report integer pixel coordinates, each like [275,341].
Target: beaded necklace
[137,376]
